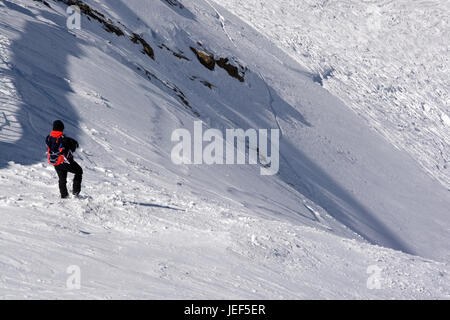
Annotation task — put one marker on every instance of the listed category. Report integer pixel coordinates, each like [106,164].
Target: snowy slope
[150,249]
[147,228]
[388,60]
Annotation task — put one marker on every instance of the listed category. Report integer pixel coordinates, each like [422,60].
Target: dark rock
[178,54]
[205,58]
[232,70]
[44,2]
[94,14]
[147,49]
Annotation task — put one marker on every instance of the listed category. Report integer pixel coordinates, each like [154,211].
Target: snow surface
[388,60]
[346,200]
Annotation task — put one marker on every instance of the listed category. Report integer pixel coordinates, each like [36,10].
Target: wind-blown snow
[346,202]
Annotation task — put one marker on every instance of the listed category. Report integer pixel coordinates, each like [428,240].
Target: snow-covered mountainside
[388,60]
[349,215]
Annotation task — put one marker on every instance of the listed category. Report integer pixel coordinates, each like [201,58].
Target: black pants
[62,171]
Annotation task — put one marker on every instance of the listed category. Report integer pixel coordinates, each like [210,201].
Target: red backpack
[55,149]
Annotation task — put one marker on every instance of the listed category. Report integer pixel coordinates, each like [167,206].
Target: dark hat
[58,125]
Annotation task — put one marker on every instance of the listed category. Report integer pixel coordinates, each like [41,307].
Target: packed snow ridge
[352,213]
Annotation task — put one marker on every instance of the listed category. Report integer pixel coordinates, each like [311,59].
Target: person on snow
[60,155]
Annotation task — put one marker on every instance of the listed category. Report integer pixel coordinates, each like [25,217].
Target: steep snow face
[149,228]
[327,154]
[388,60]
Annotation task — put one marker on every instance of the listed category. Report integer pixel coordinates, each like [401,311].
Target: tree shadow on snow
[39,73]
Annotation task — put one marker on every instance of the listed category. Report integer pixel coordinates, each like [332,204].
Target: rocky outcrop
[44,2]
[205,58]
[147,49]
[179,54]
[209,61]
[94,14]
[232,70]
[175,3]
